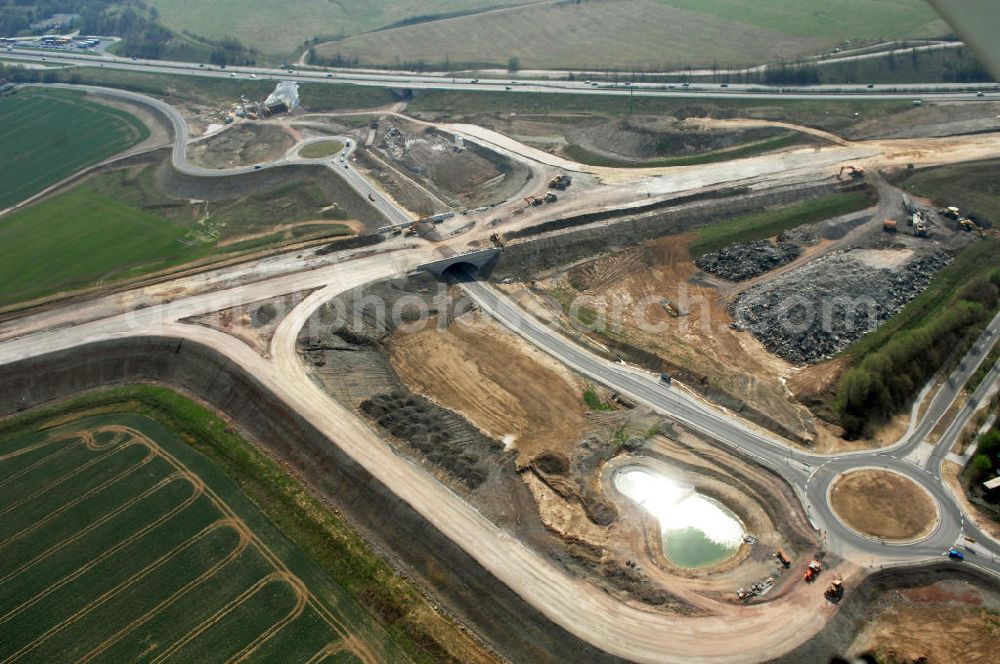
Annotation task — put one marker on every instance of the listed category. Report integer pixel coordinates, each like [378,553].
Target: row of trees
[886,381]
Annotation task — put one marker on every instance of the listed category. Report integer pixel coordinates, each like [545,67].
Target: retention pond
[696,530]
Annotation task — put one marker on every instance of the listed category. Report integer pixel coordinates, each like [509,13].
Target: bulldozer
[835,591]
[854,172]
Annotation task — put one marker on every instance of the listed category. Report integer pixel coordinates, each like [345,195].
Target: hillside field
[281,28]
[641,34]
[122,543]
[47,135]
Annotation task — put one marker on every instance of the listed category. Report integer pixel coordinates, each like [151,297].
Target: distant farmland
[47,135]
[641,34]
[281,27]
[120,543]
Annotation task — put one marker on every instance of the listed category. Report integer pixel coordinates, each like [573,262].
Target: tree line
[887,380]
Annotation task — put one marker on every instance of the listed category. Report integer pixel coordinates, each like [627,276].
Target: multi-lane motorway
[940,91]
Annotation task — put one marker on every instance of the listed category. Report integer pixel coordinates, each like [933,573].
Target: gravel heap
[744,260]
[814,312]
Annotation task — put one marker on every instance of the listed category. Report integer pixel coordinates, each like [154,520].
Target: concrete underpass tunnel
[465,271]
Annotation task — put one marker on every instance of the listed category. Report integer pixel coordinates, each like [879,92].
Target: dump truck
[533,201]
[920,226]
[835,591]
[783,558]
[854,172]
[889,225]
[815,567]
[560,182]
[951,212]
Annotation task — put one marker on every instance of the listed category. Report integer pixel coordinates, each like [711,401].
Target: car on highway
[980,94]
[870,86]
[342,160]
[329,75]
[955,554]
[506,87]
[253,75]
[256,167]
[232,75]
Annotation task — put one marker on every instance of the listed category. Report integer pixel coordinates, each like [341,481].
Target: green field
[47,135]
[118,225]
[871,20]
[637,35]
[254,21]
[122,543]
[321,149]
[416,627]
[769,224]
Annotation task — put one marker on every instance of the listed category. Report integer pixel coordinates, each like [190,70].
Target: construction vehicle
[967,225]
[783,558]
[950,212]
[889,225]
[919,225]
[550,197]
[835,591]
[815,567]
[533,201]
[411,229]
[560,182]
[497,242]
[855,172]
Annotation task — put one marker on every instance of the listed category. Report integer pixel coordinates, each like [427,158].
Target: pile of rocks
[816,311]
[745,260]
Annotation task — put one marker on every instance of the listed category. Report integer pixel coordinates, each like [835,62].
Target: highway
[937,91]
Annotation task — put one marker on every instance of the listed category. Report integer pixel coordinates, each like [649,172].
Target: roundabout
[883,505]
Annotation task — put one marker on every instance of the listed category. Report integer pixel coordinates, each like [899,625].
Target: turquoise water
[696,531]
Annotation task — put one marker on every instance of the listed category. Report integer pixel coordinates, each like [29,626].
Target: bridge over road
[473,261]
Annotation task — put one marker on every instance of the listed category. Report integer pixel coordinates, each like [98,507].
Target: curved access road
[182,137]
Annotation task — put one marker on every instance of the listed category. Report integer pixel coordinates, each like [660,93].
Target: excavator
[855,172]
[497,242]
